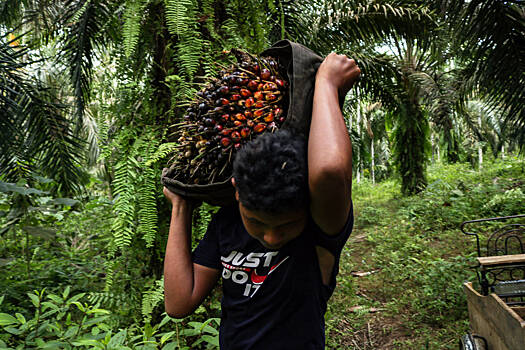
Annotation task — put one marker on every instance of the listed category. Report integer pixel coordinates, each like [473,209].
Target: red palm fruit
[218,128]
[237,123]
[255,68]
[240,116]
[281,120]
[269,117]
[280,83]
[225,141]
[250,123]
[235,97]
[245,93]
[223,90]
[237,146]
[248,114]
[244,81]
[258,112]
[259,127]
[236,137]
[225,101]
[259,104]
[271,97]
[260,86]
[249,102]
[245,132]
[225,117]
[269,86]
[258,95]
[252,85]
[226,132]
[278,111]
[265,74]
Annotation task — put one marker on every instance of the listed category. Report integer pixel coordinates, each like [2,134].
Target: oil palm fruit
[246,99]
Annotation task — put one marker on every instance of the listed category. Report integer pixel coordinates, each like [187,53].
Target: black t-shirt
[272,299]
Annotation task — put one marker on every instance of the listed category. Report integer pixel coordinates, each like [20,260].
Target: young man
[278,250]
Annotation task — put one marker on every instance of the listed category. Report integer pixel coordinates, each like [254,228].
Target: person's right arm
[186,284]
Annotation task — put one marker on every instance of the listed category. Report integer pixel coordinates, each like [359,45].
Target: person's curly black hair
[271,173]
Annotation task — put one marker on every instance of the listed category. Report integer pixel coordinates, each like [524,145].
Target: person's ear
[236,192]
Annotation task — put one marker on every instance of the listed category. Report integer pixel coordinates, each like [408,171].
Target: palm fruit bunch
[248,98]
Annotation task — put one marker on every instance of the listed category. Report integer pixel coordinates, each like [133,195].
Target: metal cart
[497,311]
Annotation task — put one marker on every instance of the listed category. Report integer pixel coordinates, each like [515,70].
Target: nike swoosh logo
[256,279]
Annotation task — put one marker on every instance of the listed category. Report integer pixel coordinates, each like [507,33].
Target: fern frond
[147,214]
[180,15]
[151,298]
[189,52]
[131,27]
[160,153]
[124,206]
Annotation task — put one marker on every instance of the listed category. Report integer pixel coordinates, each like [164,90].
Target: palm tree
[489,38]
[35,130]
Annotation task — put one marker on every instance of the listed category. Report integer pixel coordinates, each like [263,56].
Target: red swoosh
[256,279]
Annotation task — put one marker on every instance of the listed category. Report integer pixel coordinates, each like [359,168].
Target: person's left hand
[338,71]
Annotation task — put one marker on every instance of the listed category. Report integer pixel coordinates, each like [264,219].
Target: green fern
[162,152]
[180,15]
[147,213]
[189,53]
[151,298]
[131,27]
[124,206]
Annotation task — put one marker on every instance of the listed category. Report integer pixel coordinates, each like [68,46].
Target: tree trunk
[358,124]
[480,149]
[372,171]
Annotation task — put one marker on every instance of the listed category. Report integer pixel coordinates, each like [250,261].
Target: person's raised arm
[329,146]
[185,284]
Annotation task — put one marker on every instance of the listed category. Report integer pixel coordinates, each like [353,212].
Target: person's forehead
[273,218]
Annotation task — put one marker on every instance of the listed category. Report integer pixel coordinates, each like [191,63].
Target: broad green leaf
[13,330]
[79,305]
[166,337]
[96,320]
[65,293]
[98,311]
[6,319]
[118,339]
[75,298]
[34,299]
[211,340]
[87,342]
[171,346]
[71,331]
[55,298]
[20,318]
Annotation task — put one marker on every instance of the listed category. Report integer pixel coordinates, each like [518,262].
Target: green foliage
[411,147]
[151,298]
[180,16]
[131,28]
[124,192]
[62,321]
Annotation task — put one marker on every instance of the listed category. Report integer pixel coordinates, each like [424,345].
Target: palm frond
[84,22]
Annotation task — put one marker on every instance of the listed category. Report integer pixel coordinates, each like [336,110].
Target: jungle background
[89,89]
